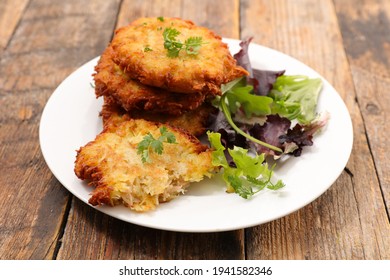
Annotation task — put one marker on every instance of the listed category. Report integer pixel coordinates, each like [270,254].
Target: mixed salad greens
[266,115]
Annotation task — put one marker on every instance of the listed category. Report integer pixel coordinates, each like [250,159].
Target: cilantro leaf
[170,138]
[144,144]
[170,41]
[174,46]
[170,34]
[193,44]
[157,146]
[237,184]
[149,143]
[278,185]
[163,131]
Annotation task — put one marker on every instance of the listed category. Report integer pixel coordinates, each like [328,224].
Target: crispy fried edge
[209,85]
[102,192]
[131,94]
[194,122]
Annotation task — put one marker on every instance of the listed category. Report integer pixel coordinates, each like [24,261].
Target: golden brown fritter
[110,80]
[114,168]
[194,122]
[139,51]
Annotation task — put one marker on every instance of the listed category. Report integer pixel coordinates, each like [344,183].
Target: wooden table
[43,41]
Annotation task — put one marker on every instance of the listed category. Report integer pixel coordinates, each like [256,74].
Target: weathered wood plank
[10,14]
[91,235]
[349,221]
[49,43]
[131,10]
[219,18]
[366,33]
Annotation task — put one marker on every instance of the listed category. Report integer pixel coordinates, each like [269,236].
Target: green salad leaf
[235,92]
[270,113]
[240,96]
[251,104]
[250,175]
[296,97]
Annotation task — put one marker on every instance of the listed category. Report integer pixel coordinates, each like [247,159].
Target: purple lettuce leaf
[302,135]
[265,80]
[229,137]
[270,132]
[276,130]
[242,57]
[261,80]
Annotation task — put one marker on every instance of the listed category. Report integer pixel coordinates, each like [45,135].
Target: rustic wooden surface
[42,42]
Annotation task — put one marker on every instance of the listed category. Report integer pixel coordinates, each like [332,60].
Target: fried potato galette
[194,122]
[111,164]
[140,53]
[155,74]
[111,81]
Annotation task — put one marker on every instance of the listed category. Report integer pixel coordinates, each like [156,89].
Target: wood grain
[10,14]
[119,240]
[366,33]
[349,221]
[39,56]
[217,17]
[92,235]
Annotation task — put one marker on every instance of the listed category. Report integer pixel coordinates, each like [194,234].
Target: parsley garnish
[149,143]
[147,49]
[161,19]
[174,46]
[193,45]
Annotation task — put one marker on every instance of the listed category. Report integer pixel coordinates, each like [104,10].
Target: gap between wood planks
[71,197]
[14,28]
[62,227]
[376,169]
[370,149]
[360,107]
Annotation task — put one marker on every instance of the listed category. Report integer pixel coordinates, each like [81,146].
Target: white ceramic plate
[70,120]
